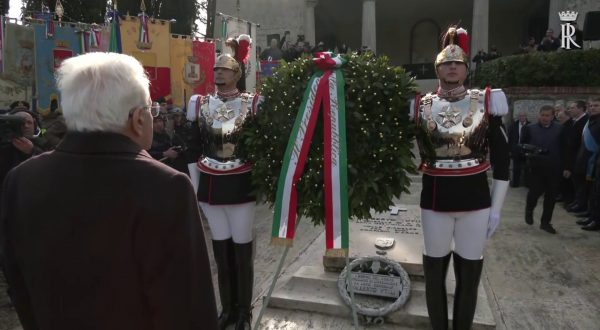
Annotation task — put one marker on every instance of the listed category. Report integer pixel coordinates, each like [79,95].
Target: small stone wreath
[369,311]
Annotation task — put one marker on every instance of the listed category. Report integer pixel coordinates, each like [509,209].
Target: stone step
[311,289]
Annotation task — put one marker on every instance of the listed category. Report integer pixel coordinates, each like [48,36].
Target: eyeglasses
[154,109]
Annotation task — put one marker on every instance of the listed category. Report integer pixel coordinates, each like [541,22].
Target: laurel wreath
[379,135]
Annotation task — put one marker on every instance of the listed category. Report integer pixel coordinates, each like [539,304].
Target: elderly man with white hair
[97,234]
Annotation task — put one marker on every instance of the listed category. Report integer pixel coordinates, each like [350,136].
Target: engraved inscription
[376,285]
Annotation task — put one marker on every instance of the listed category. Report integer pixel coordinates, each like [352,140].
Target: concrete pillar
[309,22]
[480,28]
[369,33]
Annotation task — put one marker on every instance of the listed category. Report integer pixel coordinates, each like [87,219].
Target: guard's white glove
[499,189]
[194,175]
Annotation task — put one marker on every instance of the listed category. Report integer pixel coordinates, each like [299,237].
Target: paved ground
[535,280]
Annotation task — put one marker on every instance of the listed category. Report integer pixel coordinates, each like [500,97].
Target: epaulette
[427,98]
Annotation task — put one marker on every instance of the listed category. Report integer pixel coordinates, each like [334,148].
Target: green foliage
[4,6]
[379,135]
[184,12]
[87,11]
[564,68]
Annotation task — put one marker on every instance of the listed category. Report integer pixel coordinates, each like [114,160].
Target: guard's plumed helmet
[241,48]
[228,62]
[455,47]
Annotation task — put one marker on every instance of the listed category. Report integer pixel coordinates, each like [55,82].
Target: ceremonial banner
[182,78]
[204,59]
[153,54]
[18,58]
[232,27]
[10,91]
[95,39]
[325,90]
[49,54]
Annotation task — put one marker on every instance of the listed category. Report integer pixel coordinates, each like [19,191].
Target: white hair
[98,90]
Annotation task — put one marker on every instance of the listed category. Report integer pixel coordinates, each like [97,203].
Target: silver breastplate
[454,131]
[220,124]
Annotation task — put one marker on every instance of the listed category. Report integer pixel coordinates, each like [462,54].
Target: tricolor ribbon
[82,44]
[325,89]
[144,37]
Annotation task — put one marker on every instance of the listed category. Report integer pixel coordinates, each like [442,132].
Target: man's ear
[136,122]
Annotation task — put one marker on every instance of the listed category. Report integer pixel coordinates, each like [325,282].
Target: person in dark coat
[576,173]
[546,165]
[514,138]
[96,234]
[20,148]
[591,148]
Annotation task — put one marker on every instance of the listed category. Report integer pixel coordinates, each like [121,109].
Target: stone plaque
[403,228]
[376,284]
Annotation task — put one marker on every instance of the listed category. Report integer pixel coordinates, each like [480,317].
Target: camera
[530,149]
[10,128]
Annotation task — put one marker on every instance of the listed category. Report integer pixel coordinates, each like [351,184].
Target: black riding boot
[435,290]
[467,274]
[225,260]
[245,276]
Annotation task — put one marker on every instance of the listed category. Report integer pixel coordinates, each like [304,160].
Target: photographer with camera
[19,140]
[165,148]
[544,147]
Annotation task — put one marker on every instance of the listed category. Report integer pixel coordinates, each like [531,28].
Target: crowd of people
[559,155]
[287,50]
[550,43]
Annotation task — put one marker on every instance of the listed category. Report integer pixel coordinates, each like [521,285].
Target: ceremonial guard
[456,127]
[223,183]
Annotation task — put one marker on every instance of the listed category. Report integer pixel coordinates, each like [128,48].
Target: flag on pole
[115,45]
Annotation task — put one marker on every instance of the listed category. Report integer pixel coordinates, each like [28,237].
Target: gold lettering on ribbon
[305,120]
[335,133]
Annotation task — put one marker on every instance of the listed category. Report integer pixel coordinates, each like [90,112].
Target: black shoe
[593,226]
[529,218]
[584,222]
[243,322]
[585,214]
[576,209]
[559,198]
[548,228]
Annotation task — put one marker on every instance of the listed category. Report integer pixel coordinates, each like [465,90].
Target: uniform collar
[452,94]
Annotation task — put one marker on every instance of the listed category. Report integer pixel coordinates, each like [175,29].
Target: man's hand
[566,174]
[23,144]
[171,153]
